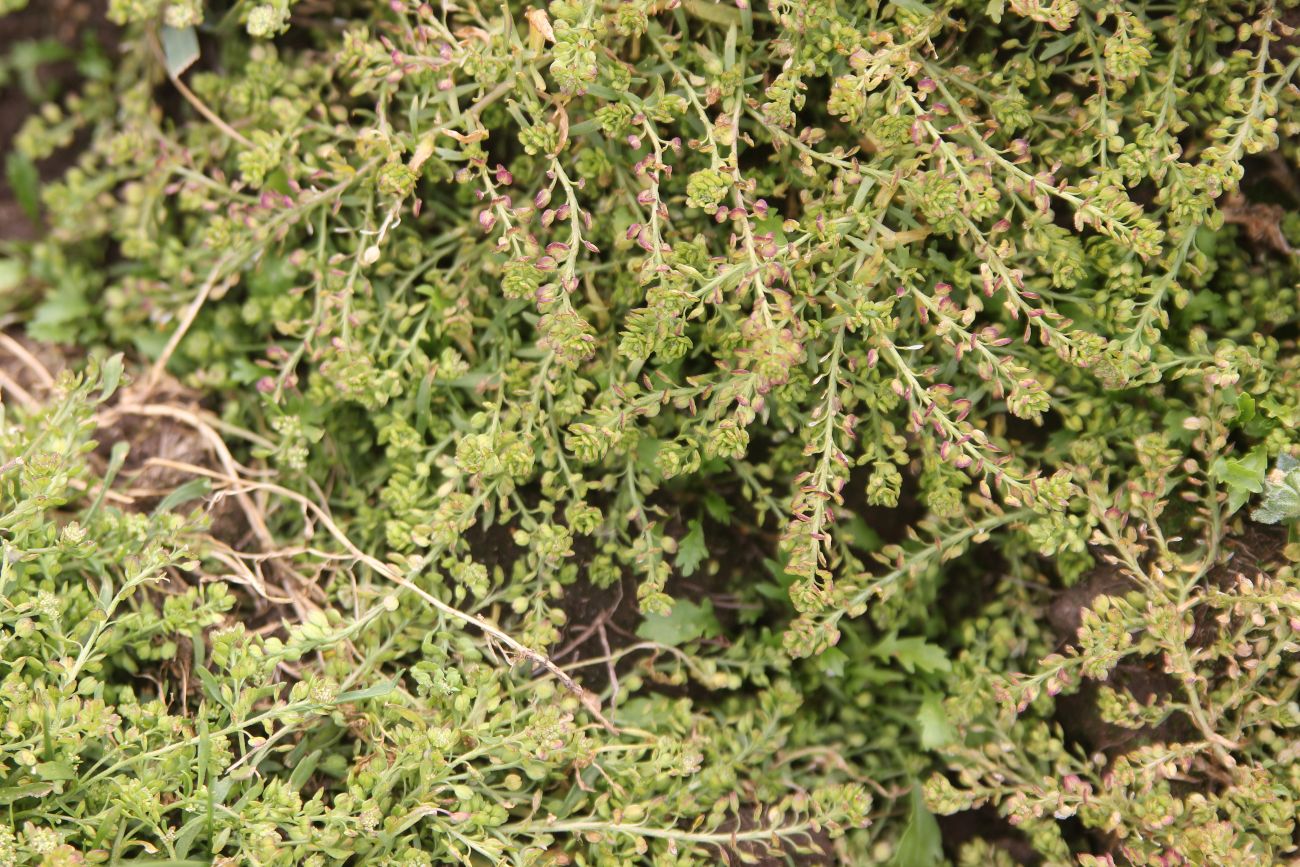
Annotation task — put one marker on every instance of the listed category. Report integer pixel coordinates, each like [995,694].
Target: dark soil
[604,620]
[985,823]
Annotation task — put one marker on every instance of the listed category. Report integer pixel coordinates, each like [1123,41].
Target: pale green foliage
[731,355]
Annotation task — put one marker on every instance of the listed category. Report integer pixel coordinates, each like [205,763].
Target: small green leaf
[833,662]
[55,771]
[914,654]
[687,622]
[110,375]
[211,686]
[377,691]
[712,12]
[1057,46]
[862,536]
[14,794]
[691,551]
[1245,408]
[1242,476]
[933,723]
[1281,493]
[180,47]
[116,458]
[921,844]
[12,273]
[188,833]
[59,314]
[192,489]
[303,770]
[25,182]
[718,508]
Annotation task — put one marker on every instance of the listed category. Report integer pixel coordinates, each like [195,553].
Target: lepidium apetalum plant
[505,288]
[1182,654]
[243,750]
[660,276]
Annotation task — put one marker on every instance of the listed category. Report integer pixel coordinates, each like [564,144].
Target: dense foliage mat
[656,432]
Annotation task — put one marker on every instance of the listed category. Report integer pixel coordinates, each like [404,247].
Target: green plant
[1184,658]
[623,406]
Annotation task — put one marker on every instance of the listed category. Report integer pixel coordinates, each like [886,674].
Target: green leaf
[921,844]
[687,622]
[25,182]
[59,313]
[691,550]
[180,47]
[55,771]
[1242,476]
[110,375]
[211,686]
[712,12]
[376,691]
[1281,494]
[303,770]
[718,508]
[1245,408]
[1056,46]
[914,654]
[12,273]
[30,790]
[933,723]
[188,833]
[192,489]
[116,458]
[862,536]
[833,662]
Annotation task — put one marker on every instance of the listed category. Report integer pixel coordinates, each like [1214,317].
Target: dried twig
[31,362]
